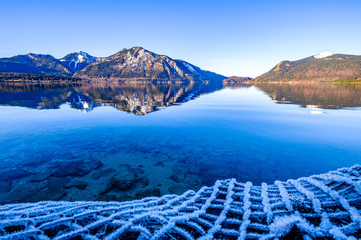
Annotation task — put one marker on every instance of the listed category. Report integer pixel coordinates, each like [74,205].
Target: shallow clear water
[191,137]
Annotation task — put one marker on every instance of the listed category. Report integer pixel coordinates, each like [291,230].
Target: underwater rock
[55,189]
[177,189]
[148,193]
[58,183]
[77,184]
[13,174]
[48,194]
[36,162]
[126,177]
[192,181]
[75,168]
[38,177]
[23,192]
[179,177]
[5,186]
[107,198]
[175,178]
[144,181]
[123,180]
[193,170]
[179,173]
[137,171]
[103,173]
[159,164]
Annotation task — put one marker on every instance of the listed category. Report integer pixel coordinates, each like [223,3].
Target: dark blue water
[107,154]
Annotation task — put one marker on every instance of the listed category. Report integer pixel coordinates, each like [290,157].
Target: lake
[129,141]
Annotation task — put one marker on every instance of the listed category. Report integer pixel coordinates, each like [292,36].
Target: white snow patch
[190,68]
[80,58]
[323,55]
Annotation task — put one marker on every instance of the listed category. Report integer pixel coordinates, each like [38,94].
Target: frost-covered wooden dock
[326,206]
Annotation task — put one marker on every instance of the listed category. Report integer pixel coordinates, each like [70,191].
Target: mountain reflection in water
[314,94]
[137,98]
[143,98]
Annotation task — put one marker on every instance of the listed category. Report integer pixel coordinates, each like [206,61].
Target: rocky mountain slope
[140,64]
[78,60]
[134,64]
[34,64]
[46,64]
[321,67]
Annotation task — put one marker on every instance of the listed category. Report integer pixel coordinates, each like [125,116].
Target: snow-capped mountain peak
[323,55]
[78,60]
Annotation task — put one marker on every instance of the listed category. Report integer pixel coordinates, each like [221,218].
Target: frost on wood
[325,206]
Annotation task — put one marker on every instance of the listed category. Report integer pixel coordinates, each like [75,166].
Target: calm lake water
[128,141]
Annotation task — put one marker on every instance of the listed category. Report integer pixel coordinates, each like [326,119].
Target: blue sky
[244,38]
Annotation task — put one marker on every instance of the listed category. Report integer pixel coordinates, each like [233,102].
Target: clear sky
[244,38]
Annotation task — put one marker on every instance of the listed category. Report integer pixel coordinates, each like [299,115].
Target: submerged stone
[154,192]
[55,190]
[137,171]
[178,177]
[102,173]
[159,164]
[51,195]
[5,186]
[107,198]
[144,181]
[38,177]
[58,183]
[13,174]
[23,192]
[177,189]
[77,184]
[75,168]
[126,177]
[123,180]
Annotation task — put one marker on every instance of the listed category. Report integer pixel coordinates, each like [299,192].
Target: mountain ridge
[133,64]
[139,63]
[78,60]
[320,67]
[34,64]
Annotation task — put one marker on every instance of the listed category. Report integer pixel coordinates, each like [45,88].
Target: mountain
[34,64]
[321,67]
[78,60]
[235,79]
[138,63]
[45,64]
[134,64]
